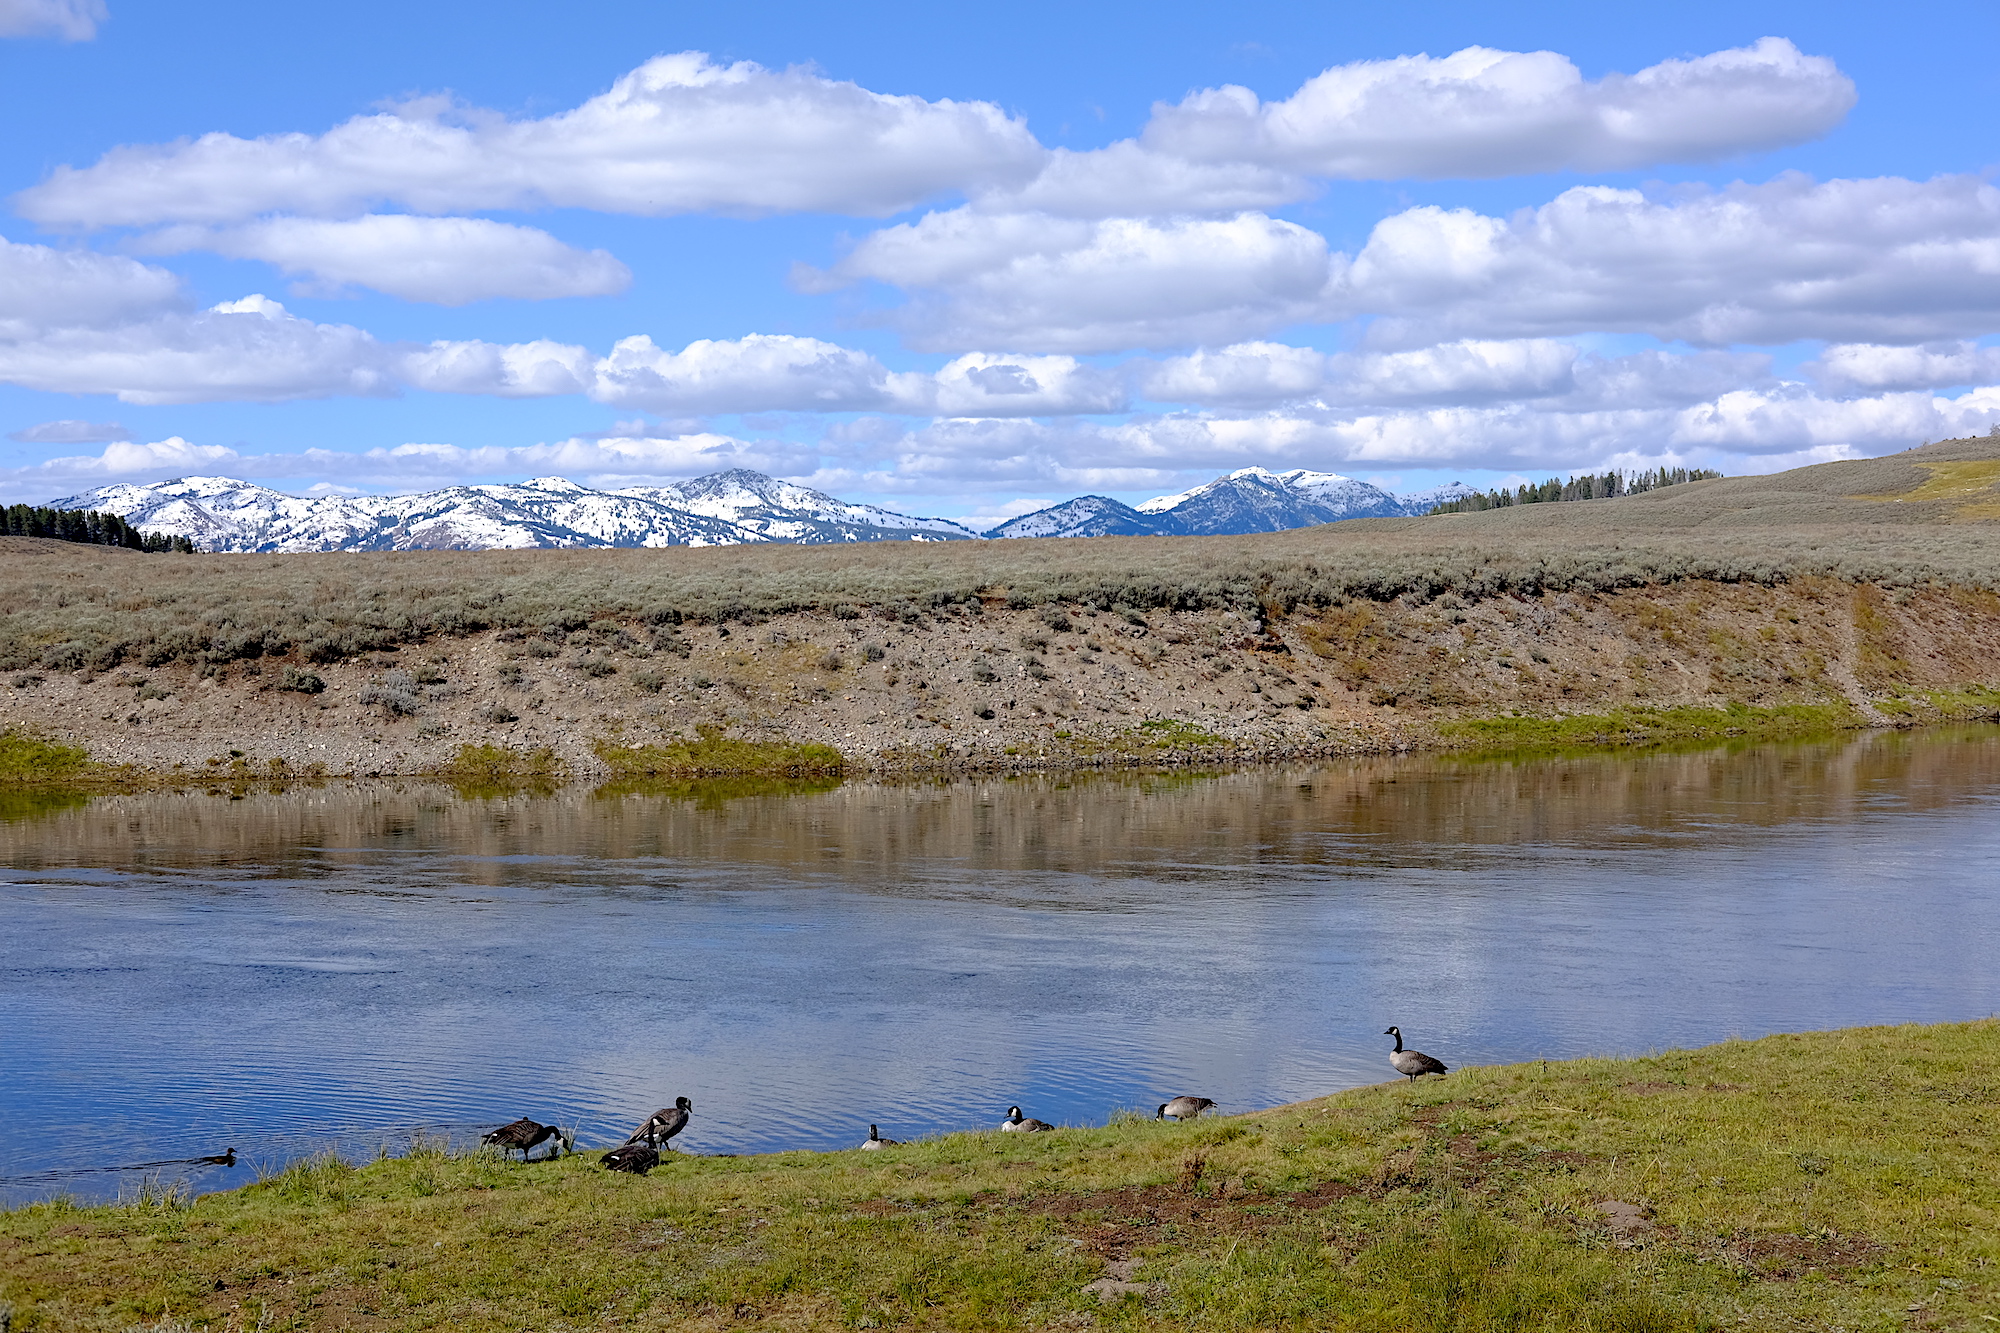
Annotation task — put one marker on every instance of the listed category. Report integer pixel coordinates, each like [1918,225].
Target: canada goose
[1015,1122]
[1183,1108]
[875,1140]
[220,1159]
[635,1158]
[525,1134]
[1411,1063]
[663,1125]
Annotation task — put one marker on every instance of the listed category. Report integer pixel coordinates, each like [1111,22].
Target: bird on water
[1183,1108]
[1015,1122]
[1412,1063]
[634,1158]
[876,1141]
[525,1134]
[664,1124]
[220,1159]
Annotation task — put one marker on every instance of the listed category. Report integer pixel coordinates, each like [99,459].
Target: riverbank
[986,688]
[1835,1179]
[1839,596]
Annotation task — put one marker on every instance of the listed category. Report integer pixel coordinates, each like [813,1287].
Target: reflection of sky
[1239,937]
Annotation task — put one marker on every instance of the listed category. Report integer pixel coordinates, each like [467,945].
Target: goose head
[684,1104]
[1013,1113]
[1161,1114]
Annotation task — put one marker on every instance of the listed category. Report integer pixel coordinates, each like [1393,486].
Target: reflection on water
[190,972]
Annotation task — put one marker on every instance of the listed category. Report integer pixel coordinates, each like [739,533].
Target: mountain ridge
[733,507]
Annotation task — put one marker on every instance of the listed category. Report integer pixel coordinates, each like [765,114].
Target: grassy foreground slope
[1825,1180]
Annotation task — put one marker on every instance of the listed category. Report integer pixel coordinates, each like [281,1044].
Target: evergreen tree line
[1602,486]
[88,526]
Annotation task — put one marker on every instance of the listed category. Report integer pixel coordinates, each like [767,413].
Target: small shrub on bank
[711,753]
[25,758]
[301,682]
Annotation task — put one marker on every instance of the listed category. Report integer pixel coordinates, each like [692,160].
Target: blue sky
[966,262]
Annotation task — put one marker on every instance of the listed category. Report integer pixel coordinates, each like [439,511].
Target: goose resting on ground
[1412,1063]
[876,1141]
[1183,1108]
[1014,1122]
[634,1158]
[526,1134]
[664,1124]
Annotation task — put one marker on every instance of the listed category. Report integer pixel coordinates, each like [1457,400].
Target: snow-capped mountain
[1251,499]
[721,509]
[783,511]
[1086,516]
[1254,499]
[222,514]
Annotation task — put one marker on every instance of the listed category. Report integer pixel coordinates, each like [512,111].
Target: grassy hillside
[1923,516]
[1827,1180]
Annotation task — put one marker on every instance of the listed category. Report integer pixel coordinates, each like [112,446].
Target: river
[343,966]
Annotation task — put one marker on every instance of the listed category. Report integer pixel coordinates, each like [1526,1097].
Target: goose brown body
[1183,1108]
[663,1124]
[524,1135]
[1412,1063]
[875,1141]
[1016,1122]
[634,1159]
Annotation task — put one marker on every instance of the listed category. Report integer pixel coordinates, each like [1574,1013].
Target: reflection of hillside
[1333,814]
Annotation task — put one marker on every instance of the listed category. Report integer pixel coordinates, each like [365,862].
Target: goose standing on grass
[526,1134]
[1183,1108]
[634,1158]
[1014,1122]
[664,1124]
[876,1141]
[1412,1063]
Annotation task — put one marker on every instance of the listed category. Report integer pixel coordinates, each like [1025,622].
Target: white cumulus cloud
[71,20]
[679,134]
[1069,285]
[1885,259]
[445,261]
[1879,260]
[1484,113]
[1928,365]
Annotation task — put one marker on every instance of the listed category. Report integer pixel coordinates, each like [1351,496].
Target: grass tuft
[712,754]
[1641,726]
[28,759]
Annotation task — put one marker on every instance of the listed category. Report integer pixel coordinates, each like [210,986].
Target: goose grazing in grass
[1412,1063]
[876,1141]
[1183,1108]
[1015,1122]
[526,1134]
[664,1124]
[634,1158]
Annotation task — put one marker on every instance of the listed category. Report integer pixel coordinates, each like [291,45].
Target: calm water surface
[346,966]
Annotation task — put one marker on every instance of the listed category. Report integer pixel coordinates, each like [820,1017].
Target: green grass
[1638,726]
[711,753]
[30,759]
[499,770]
[1817,1181]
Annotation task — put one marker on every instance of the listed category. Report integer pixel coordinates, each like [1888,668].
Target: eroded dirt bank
[997,688]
